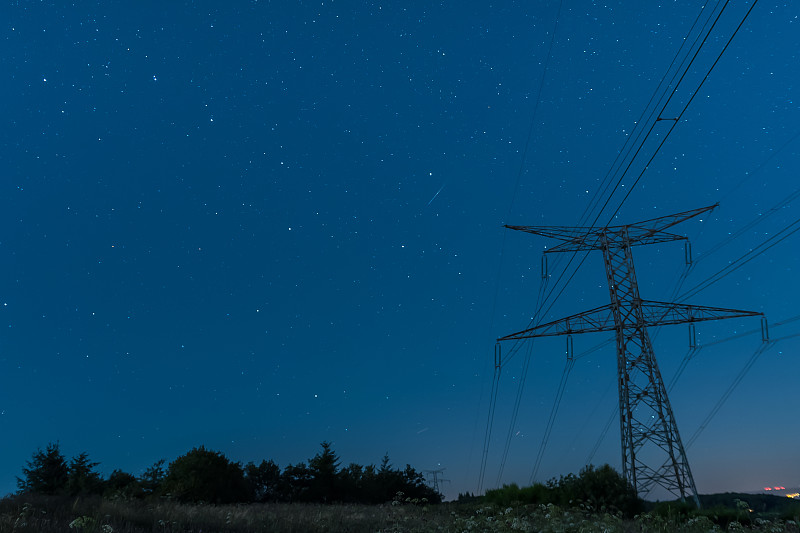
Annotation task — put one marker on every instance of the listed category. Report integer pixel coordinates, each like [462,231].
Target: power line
[661,144]
[749,175]
[641,145]
[638,128]
[553,412]
[490,418]
[514,413]
[691,98]
[677,376]
[779,237]
[738,379]
[539,314]
[756,221]
[685,70]
[603,434]
[495,382]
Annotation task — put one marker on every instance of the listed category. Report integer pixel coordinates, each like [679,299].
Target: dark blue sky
[264,225]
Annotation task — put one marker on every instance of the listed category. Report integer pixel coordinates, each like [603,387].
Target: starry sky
[263,225]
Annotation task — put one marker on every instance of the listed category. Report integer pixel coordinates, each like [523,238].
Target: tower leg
[648,429]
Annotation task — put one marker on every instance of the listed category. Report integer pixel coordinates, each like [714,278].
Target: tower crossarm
[594,320]
[653,313]
[666,313]
[577,239]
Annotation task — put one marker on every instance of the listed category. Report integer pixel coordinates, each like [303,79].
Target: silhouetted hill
[764,504]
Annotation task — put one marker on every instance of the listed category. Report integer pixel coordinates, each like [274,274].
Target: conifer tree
[46,472]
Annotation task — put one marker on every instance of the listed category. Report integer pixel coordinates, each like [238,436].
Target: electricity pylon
[652,451]
[435,479]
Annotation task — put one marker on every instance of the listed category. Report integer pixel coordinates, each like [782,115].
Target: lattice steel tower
[652,451]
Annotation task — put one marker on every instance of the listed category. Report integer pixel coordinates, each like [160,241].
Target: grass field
[39,514]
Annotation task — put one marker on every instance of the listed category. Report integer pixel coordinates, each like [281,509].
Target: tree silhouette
[295,483]
[324,482]
[205,476]
[82,477]
[152,478]
[46,472]
[264,481]
[598,487]
[122,485]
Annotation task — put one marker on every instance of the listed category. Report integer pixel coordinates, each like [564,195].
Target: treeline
[598,489]
[206,476]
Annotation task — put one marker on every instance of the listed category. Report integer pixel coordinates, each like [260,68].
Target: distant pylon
[652,451]
[434,478]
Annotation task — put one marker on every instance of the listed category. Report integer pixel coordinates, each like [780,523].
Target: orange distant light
[767,488]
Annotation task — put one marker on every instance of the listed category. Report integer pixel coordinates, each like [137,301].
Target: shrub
[121,485]
[512,494]
[601,488]
[205,476]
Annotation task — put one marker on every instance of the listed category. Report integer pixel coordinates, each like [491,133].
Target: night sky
[263,225]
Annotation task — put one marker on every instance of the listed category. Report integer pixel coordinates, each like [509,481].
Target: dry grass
[23,514]
[28,514]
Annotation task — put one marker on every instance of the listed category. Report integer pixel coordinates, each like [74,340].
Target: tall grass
[39,514]
[53,514]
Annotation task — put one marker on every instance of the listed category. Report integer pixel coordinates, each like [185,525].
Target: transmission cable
[487,437]
[784,234]
[613,415]
[658,148]
[759,219]
[603,434]
[693,351]
[489,423]
[691,98]
[632,139]
[514,413]
[520,387]
[738,379]
[641,145]
[551,421]
[762,165]
[609,174]
[539,314]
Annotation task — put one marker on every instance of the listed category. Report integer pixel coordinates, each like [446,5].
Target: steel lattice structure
[649,433]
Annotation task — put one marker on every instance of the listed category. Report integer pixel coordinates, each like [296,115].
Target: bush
[512,494]
[122,485]
[205,476]
[601,488]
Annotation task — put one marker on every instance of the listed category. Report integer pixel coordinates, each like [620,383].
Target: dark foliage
[467,497]
[122,485]
[513,494]
[764,504]
[82,479]
[150,482]
[324,467]
[264,481]
[295,483]
[46,473]
[206,476]
[322,481]
[602,489]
